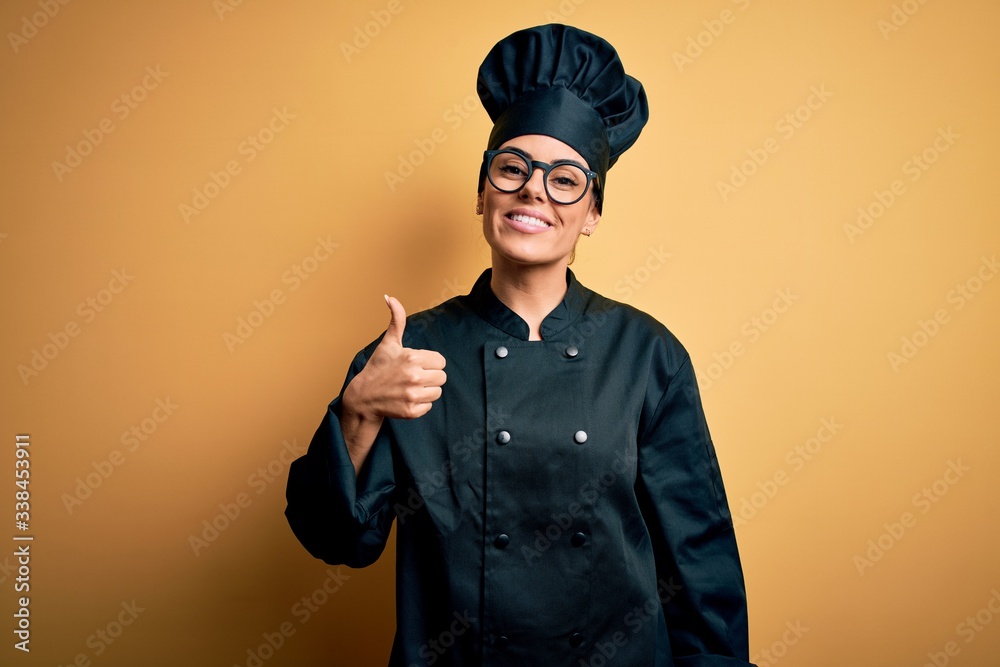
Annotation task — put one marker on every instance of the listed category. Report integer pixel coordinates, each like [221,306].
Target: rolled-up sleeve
[340,518]
[685,508]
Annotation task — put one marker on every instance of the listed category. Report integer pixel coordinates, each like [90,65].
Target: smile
[528,220]
[527,223]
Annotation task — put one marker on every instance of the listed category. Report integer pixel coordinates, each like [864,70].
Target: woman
[557,493]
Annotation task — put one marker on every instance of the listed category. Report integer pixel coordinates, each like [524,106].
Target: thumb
[398,320]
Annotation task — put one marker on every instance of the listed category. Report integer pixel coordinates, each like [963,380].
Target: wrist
[353,407]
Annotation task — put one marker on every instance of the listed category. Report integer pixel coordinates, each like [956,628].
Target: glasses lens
[566,183]
[508,171]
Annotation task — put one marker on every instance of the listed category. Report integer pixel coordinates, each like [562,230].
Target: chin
[528,256]
[525,249]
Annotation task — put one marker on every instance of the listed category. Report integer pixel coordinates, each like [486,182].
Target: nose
[534,187]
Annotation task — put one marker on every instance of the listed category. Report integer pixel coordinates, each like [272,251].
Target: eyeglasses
[566,182]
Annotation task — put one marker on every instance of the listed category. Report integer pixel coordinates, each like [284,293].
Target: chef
[542,448]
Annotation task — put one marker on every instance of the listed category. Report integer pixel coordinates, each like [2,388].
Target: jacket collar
[496,312]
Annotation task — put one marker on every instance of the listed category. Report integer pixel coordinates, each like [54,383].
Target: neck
[531,291]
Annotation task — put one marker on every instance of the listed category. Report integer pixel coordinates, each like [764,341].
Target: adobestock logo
[786,126]
[913,167]
[30,26]
[133,438]
[370,30]
[408,164]
[900,16]
[752,329]
[248,149]
[895,530]
[696,44]
[88,309]
[122,107]
[968,629]
[264,309]
[231,510]
[927,329]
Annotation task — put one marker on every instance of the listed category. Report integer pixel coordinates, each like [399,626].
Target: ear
[593,217]
[479,204]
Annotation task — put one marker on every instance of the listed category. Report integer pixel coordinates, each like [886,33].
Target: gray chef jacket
[560,504]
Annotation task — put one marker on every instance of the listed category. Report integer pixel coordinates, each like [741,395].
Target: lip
[524,226]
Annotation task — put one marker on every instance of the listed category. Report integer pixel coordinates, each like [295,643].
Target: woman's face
[526,227]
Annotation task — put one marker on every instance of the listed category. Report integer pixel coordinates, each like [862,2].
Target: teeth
[527,219]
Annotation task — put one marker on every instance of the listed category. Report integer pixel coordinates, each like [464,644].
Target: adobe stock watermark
[927,329]
[633,622]
[103,637]
[87,310]
[752,329]
[30,25]
[923,500]
[461,451]
[231,510]
[437,647]
[121,108]
[423,489]
[264,309]
[132,439]
[248,149]
[424,316]
[899,16]
[302,611]
[967,630]
[778,649]
[914,167]
[562,12]
[453,118]
[697,44]
[797,458]
[8,568]
[370,30]
[587,496]
[633,281]
[223,7]
[786,127]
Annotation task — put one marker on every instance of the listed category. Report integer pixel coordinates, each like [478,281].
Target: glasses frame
[591,175]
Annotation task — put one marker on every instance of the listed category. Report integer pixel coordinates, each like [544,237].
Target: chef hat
[565,83]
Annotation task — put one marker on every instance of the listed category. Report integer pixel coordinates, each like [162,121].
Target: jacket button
[503,437]
[501,541]
[578,539]
[576,640]
[500,643]
[580,437]
[572,351]
[501,352]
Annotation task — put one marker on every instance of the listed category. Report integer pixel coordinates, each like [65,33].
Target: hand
[397,381]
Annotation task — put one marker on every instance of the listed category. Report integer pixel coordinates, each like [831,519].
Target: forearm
[359,427]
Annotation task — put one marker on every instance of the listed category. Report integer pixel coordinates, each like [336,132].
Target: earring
[586,231]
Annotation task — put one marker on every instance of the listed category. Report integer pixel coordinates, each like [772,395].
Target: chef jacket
[560,504]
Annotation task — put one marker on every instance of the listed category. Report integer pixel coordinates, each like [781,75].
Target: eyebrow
[532,157]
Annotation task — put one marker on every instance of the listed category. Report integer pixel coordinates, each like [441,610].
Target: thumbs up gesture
[397,381]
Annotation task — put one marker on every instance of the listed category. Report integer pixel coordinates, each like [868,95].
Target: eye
[511,169]
[566,177]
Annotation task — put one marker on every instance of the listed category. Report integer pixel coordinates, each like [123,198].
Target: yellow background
[346,118]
